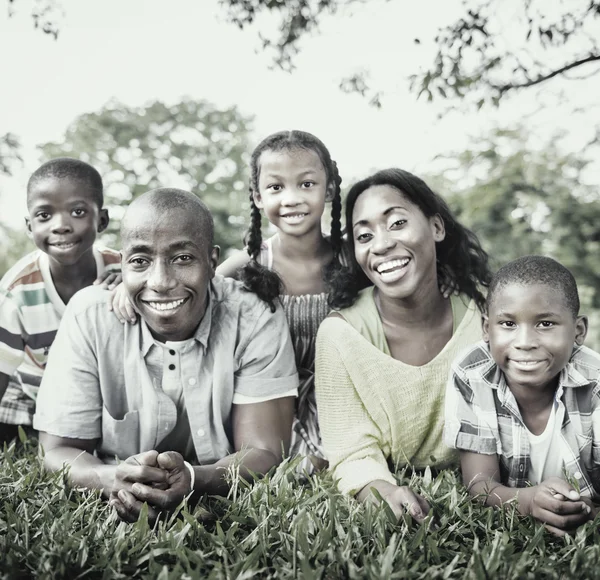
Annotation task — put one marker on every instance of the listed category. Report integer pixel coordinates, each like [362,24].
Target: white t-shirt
[547,454]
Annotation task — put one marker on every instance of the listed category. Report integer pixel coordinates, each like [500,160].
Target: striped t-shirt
[30,312]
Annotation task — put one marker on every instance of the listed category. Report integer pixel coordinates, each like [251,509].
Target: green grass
[279,527]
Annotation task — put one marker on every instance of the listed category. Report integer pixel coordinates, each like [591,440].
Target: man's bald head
[166,200]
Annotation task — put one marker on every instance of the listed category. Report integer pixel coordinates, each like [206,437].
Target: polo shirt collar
[202,331]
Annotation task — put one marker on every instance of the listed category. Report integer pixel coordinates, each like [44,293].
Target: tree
[193,145]
[14,243]
[46,15]
[519,201]
[481,55]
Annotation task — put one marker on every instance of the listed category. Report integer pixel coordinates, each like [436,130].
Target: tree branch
[540,79]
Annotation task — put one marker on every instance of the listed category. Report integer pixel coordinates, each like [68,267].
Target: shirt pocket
[120,437]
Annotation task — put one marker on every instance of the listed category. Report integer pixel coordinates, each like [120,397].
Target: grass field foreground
[280,528]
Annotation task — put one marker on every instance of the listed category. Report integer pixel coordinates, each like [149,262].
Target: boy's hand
[120,304]
[108,280]
[555,503]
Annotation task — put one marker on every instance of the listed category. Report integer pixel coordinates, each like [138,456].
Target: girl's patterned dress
[304,315]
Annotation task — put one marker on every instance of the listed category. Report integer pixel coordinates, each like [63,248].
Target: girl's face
[394,242]
[292,189]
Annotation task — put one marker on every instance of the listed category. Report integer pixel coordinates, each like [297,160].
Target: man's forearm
[212,479]
[85,470]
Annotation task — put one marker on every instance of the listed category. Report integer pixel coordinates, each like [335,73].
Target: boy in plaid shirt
[64,200]
[523,406]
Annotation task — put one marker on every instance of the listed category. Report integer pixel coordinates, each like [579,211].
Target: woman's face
[394,242]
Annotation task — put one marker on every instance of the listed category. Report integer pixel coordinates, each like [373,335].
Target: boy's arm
[4,378]
[554,502]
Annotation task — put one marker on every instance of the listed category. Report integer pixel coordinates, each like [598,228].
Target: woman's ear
[439,229]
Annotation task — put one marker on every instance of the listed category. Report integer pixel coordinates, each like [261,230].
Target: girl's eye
[507,324]
[308,184]
[274,187]
[398,223]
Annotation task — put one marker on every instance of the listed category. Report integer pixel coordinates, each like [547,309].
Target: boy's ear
[581,328]
[103,221]
[485,327]
[257,199]
[28,226]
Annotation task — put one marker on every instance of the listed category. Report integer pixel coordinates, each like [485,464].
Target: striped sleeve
[12,342]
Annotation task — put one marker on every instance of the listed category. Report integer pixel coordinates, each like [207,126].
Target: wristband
[192,476]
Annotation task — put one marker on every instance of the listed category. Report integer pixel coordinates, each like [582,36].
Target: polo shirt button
[172,367]
[201,432]
[172,352]
[578,475]
[191,381]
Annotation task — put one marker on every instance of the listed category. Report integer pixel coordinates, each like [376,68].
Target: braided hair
[265,283]
[460,258]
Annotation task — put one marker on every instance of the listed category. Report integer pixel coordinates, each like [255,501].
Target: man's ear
[28,226]
[581,329]
[214,259]
[485,328]
[257,199]
[439,229]
[103,220]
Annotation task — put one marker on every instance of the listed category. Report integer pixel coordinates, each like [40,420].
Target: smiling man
[205,377]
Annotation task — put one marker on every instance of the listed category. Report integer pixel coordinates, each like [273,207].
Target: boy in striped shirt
[64,201]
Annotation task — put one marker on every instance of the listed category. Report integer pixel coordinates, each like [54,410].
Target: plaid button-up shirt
[483,416]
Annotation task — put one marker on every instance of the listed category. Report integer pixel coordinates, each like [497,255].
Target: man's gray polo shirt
[97,383]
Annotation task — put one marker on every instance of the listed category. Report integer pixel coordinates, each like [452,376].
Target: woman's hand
[120,304]
[401,499]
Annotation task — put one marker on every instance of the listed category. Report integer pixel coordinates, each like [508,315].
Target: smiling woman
[383,357]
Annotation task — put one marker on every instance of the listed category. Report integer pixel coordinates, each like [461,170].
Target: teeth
[166,305]
[391,265]
[527,362]
[65,245]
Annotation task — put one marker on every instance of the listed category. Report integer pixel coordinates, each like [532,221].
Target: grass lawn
[279,528]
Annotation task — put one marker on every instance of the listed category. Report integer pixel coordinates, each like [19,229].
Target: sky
[141,50]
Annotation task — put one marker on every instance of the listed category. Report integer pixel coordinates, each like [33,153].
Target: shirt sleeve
[352,440]
[469,415]
[12,342]
[69,401]
[266,365]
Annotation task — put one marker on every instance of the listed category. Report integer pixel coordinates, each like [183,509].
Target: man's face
[167,267]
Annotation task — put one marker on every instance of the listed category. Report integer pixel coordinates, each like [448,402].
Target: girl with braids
[383,358]
[292,179]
